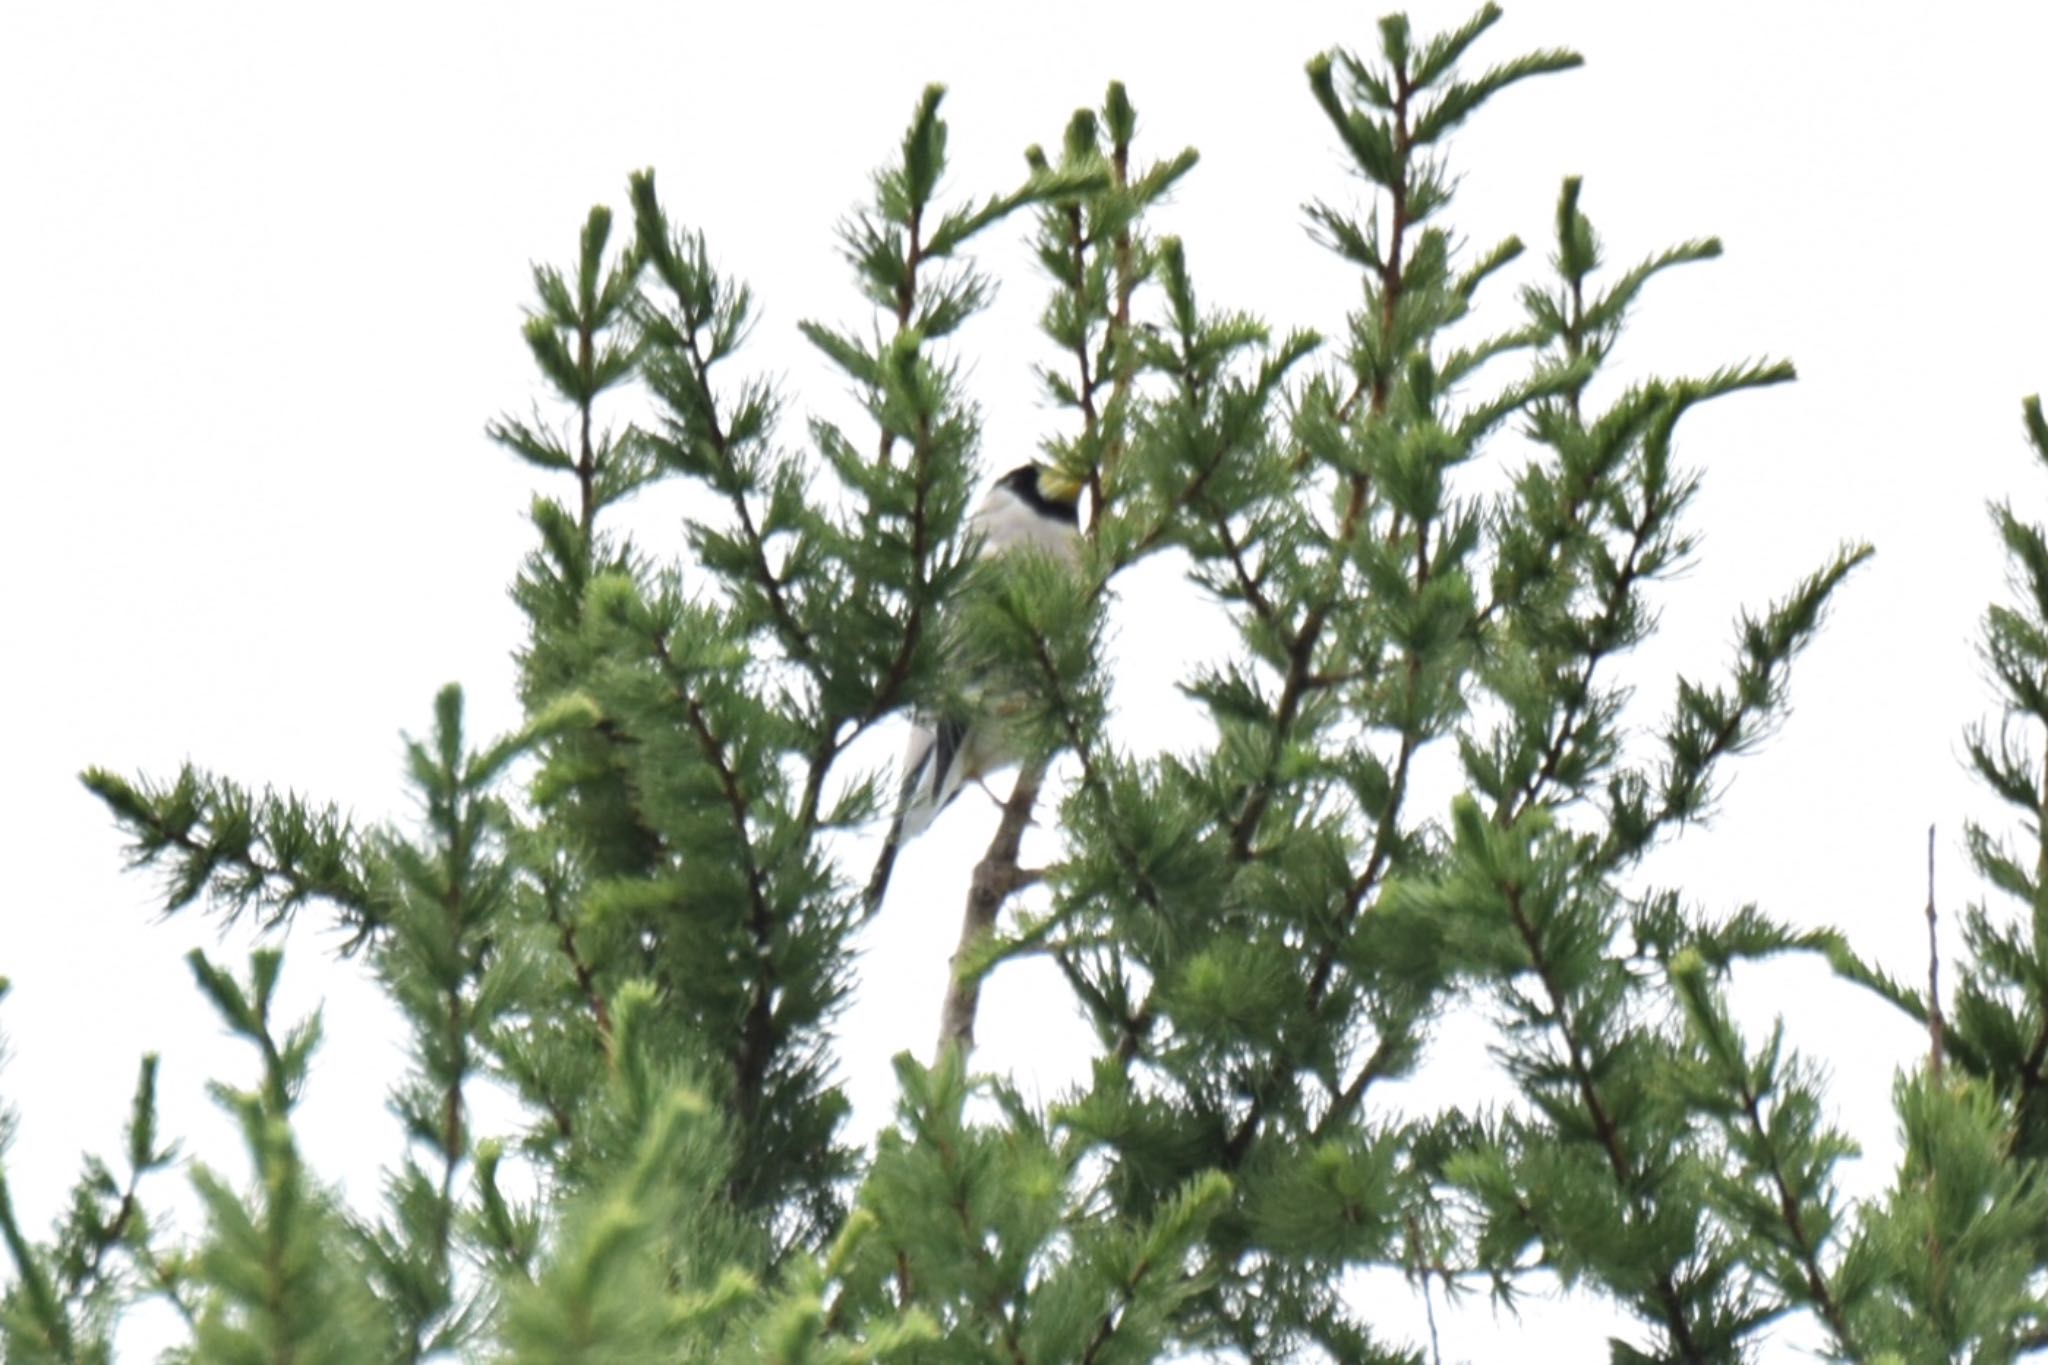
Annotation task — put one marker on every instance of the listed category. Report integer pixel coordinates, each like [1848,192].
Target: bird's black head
[1045,491]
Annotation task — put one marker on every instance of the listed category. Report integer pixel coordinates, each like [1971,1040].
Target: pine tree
[1432,545]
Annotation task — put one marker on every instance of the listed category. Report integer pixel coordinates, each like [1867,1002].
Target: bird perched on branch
[1031,507]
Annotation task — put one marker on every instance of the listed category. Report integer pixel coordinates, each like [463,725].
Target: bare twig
[995,877]
[1436,1347]
[1936,1045]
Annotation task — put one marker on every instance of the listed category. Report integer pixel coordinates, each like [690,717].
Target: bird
[1033,507]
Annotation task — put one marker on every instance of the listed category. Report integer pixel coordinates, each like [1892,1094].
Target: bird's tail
[885,864]
[931,779]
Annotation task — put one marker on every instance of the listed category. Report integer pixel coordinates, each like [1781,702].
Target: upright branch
[1090,241]
[1998,1030]
[1776,1184]
[1951,1252]
[581,337]
[66,1299]
[579,342]
[1396,542]
[902,553]
[695,323]
[1095,249]
[1587,528]
[455,892]
[1240,981]
[284,1280]
[1935,1025]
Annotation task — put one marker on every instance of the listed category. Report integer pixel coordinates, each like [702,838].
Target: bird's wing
[931,770]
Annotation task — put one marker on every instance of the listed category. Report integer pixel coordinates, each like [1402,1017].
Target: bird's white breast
[1005,521]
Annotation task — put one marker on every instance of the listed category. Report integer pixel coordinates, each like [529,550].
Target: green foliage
[1949,1261]
[1432,536]
[242,852]
[280,1275]
[2001,1007]
[67,1296]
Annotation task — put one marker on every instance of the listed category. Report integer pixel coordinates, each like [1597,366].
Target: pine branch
[1131,1028]
[1803,1244]
[756,1042]
[1301,674]
[1301,649]
[1605,632]
[998,875]
[1605,1127]
[245,851]
[1710,726]
[1758,1145]
[53,1326]
[1087,382]
[923,158]
[586,977]
[1322,973]
[704,301]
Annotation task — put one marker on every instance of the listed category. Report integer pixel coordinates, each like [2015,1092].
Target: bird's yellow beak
[1058,485]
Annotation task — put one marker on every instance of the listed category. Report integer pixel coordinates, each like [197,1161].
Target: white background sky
[264,268]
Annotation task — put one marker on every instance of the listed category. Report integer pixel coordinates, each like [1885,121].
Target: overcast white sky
[264,269]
